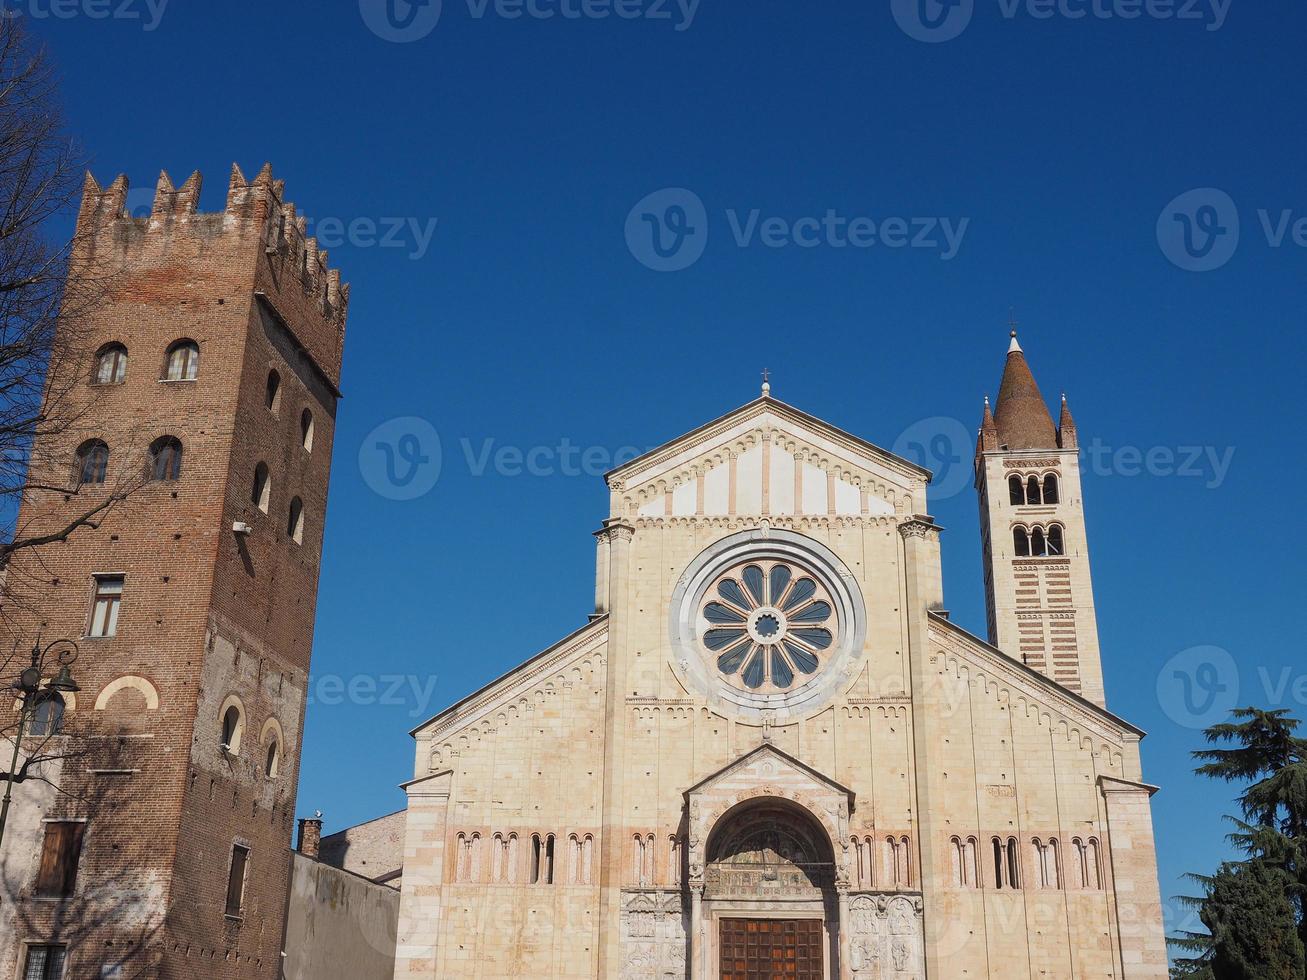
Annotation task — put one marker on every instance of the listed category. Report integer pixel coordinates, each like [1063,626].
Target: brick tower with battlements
[207,395]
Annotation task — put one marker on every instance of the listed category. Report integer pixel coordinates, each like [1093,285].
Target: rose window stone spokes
[768,624]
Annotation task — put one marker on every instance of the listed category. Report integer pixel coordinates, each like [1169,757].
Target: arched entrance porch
[769,905]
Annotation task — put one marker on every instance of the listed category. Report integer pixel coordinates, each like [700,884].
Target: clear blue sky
[527,320]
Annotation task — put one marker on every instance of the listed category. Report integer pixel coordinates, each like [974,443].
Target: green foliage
[1253,909]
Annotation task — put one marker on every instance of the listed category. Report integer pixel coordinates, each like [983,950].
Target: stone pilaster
[1133,876]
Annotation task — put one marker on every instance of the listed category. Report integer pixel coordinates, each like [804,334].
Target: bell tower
[1032,523]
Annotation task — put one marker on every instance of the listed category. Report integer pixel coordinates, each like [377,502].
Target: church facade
[770,753]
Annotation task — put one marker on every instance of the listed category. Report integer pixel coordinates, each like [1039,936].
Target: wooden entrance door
[771,949]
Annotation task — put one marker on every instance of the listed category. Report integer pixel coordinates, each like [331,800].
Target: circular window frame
[697,667]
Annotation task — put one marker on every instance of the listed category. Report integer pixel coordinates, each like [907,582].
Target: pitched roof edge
[1041,679]
[904,466]
[768,746]
[575,635]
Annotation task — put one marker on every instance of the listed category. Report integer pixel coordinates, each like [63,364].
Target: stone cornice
[1107,785]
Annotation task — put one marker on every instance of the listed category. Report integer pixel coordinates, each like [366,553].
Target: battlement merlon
[114,232]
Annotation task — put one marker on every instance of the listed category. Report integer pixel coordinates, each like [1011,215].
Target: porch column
[843,926]
[698,941]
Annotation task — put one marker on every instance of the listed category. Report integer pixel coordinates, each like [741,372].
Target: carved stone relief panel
[653,932]
[886,939]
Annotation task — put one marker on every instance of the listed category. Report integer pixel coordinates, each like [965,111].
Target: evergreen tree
[1254,909]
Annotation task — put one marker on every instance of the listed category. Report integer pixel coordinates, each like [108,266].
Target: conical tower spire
[987,440]
[1022,414]
[1066,428]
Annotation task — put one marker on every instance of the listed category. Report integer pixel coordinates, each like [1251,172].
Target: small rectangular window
[104,607]
[59,857]
[44,963]
[240,857]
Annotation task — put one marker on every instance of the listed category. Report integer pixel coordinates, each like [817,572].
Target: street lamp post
[29,686]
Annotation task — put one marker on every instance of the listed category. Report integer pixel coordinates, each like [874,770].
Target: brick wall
[209,618]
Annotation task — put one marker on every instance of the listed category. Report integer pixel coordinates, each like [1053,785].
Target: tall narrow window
[1051,495]
[673,860]
[60,854]
[587,859]
[183,362]
[48,718]
[498,849]
[107,599]
[1044,855]
[536,857]
[262,487]
[295,521]
[462,858]
[1094,877]
[637,873]
[1033,495]
[111,365]
[970,864]
[1016,491]
[240,857]
[273,399]
[512,858]
[1013,864]
[1056,545]
[1021,542]
[306,430]
[1038,546]
[999,862]
[233,726]
[92,463]
[272,759]
[573,859]
[165,458]
[44,963]
[549,860]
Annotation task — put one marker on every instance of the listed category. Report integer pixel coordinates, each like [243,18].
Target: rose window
[768,624]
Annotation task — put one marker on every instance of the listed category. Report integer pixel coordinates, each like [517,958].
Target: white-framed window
[105,603]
